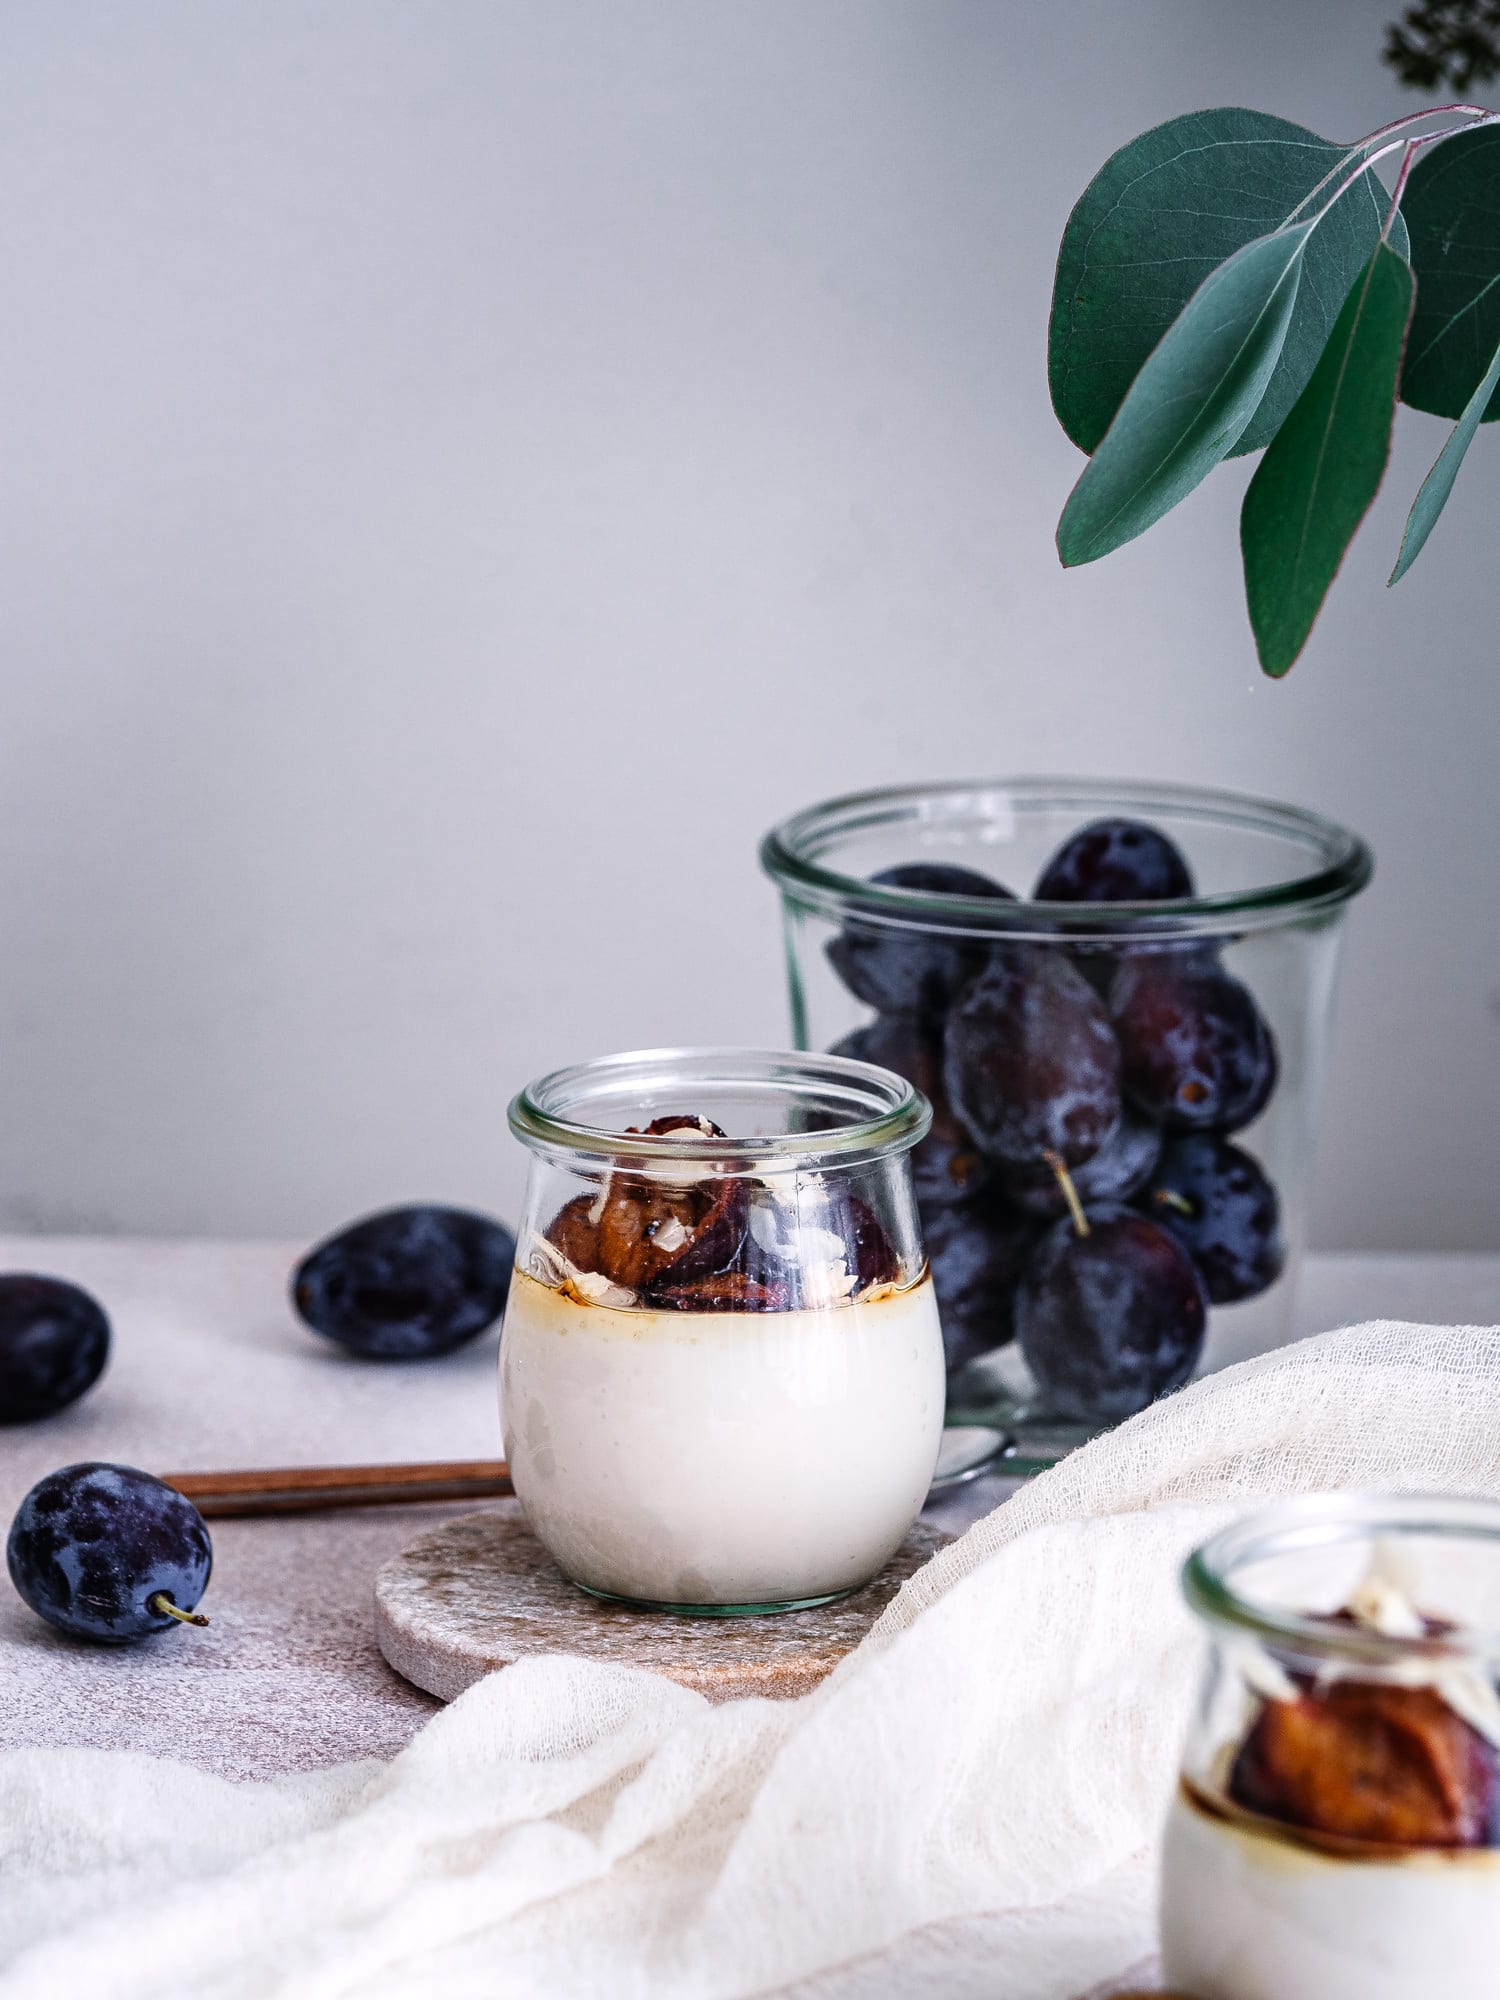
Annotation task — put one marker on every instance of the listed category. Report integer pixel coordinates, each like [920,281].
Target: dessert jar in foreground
[721,1370]
[1113,991]
[1335,1832]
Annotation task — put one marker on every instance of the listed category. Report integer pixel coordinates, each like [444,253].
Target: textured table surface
[210,1369]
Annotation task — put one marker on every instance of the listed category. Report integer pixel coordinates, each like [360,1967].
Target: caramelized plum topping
[644,1228]
[875,1259]
[1366,1761]
[575,1233]
[689,1245]
[719,1291]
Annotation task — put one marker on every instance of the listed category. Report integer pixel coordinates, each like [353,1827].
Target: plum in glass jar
[1032,1065]
[1110,1314]
[913,969]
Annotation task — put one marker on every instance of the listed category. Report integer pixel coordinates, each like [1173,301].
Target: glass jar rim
[1311,1521]
[1345,863]
[897,1118]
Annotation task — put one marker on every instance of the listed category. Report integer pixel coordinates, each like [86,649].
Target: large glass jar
[1113,991]
[1337,1828]
[721,1366]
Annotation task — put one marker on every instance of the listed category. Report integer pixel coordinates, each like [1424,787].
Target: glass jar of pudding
[1338,1820]
[721,1366]
[1112,991]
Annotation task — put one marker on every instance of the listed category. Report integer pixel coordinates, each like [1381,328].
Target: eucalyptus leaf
[1433,496]
[1187,407]
[1315,484]
[1164,212]
[1452,205]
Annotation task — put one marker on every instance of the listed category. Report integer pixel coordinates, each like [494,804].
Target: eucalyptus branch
[1167,355]
[1361,149]
[1412,147]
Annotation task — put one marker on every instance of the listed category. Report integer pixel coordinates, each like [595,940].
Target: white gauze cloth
[970,1804]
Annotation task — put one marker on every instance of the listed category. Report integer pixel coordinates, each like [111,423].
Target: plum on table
[1031,1063]
[107,1552]
[1222,1207]
[1110,1319]
[54,1342]
[1196,1052]
[900,969]
[407,1282]
[947,1166]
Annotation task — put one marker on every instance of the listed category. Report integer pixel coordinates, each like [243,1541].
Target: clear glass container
[721,1366]
[1336,1827]
[1168,1052]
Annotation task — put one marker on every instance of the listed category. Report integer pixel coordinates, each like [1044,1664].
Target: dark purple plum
[912,968]
[54,1342]
[1221,1206]
[1109,1321]
[407,1282]
[100,1551]
[1120,1166]
[1115,861]
[1195,1049]
[947,1166]
[977,1251]
[1031,1062]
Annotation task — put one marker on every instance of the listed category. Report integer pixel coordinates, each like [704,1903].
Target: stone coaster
[480,1592]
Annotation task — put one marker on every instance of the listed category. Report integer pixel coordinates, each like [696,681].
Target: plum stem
[1059,1166]
[159,1602]
[1170,1198]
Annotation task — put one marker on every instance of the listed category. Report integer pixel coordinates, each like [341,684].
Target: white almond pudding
[1249,1913]
[721,1457]
[1337,1829]
[721,1371]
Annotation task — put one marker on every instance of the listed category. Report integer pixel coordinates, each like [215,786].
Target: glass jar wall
[1109,991]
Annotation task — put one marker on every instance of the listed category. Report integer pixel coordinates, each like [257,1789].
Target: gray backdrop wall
[469,467]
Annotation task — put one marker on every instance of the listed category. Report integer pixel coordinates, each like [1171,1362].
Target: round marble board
[481,1592]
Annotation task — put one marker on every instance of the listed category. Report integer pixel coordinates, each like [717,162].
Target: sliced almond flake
[1382,1601]
[672,1236]
[1379,1604]
[1262,1673]
[597,1290]
[545,1261]
[783,1225]
[827,1284]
